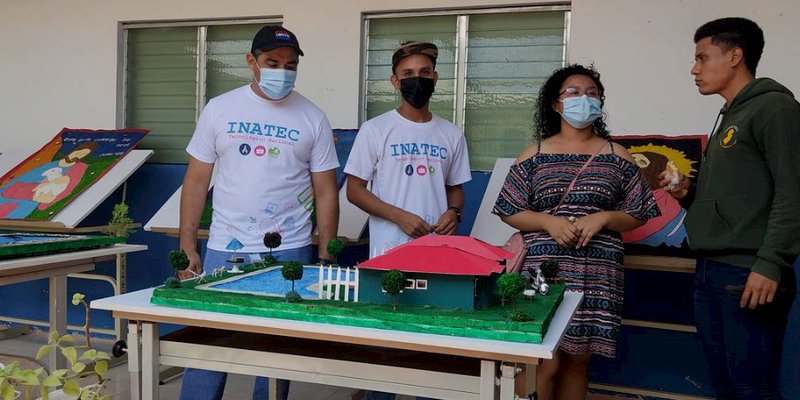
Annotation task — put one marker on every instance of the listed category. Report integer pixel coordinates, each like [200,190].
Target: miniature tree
[272,240]
[335,247]
[393,283]
[120,224]
[549,269]
[178,260]
[292,271]
[510,285]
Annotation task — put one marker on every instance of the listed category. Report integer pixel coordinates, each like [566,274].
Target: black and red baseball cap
[272,37]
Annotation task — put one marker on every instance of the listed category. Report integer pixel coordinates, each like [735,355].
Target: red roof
[439,254]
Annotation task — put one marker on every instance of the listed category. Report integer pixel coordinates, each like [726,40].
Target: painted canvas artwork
[664,235]
[44,183]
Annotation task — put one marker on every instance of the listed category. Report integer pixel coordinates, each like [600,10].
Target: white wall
[644,50]
[59,58]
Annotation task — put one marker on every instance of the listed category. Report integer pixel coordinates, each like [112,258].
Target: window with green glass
[491,65]
[172,71]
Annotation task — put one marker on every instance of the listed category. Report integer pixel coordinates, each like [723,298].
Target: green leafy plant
[120,224]
[37,382]
[335,247]
[178,260]
[509,286]
[393,283]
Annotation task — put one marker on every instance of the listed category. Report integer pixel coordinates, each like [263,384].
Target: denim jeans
[200,384]
[790,364]
[742,346]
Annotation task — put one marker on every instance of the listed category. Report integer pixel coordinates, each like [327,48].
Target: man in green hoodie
[743,216]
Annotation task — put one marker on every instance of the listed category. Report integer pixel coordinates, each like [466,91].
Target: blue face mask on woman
[277,83]
[582,111]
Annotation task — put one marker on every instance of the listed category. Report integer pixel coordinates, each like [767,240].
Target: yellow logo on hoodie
[727,139]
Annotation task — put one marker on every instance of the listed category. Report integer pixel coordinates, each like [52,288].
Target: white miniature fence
[330,287]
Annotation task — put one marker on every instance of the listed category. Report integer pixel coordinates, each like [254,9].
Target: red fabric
[439,254]
[20,191]
[669,207]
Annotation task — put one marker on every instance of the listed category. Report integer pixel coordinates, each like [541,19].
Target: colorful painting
[664,235]
[43,184]
[16,245]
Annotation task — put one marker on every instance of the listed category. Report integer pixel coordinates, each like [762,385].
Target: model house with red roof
[441,271]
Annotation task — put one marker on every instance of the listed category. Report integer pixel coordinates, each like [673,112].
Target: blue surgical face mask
[277,83]
[581,112]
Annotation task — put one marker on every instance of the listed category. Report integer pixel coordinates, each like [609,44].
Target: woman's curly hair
[547,121]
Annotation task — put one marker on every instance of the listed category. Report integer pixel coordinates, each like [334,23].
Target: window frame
[202,25]
[462,40]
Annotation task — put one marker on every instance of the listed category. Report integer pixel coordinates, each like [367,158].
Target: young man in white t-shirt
[275,161]
[416,161]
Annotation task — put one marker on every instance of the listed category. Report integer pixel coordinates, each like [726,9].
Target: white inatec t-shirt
[265,152]
[409,164]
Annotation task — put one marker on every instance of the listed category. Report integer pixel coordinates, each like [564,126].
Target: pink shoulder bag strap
[580,171]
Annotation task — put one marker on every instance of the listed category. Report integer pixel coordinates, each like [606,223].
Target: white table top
[136,306]
[14,265]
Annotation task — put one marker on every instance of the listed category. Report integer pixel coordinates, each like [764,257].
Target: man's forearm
[193,199]
[371,204]
[327,221]
[455,196]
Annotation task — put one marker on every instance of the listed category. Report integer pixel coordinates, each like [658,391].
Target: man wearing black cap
[273,149]
[416,161]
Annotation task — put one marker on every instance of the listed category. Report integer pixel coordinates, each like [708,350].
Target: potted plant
[120,224]
[28,384]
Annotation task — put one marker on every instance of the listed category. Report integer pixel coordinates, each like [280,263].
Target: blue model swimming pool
[270,282]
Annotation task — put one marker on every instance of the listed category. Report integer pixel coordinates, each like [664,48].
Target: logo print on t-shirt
[422,170]
[431,170]
[274,152]
[260,151]
[244,149]
[409,170]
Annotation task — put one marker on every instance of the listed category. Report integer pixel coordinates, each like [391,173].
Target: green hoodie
[746,208]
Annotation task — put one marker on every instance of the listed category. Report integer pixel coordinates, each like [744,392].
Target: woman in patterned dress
[581,231]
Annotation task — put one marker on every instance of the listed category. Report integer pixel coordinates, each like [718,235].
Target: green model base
[492,323]
[49,243]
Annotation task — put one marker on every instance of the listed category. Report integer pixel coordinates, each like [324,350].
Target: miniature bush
[172,283]
[509,286]
[393,283]
[292,271]
[549,269]
[521,316]
[335,247]
[293,297]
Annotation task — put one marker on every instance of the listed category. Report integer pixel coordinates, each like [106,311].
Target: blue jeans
[742,346]
[790,364]
[200,384]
